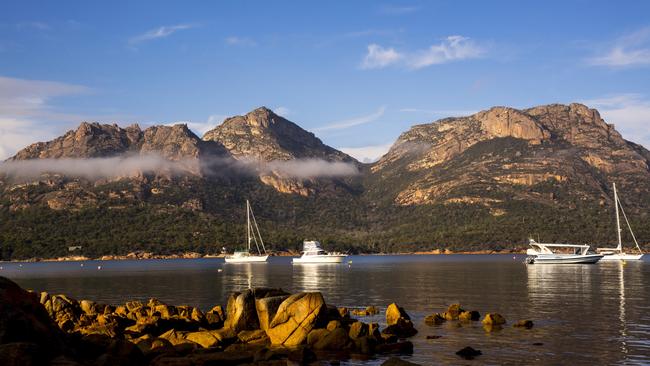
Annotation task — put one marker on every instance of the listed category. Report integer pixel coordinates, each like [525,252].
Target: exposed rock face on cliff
[488,180]
[263,136]
[503,154]
[94,140]
[90,140]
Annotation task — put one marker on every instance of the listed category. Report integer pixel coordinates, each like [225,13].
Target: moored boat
[312,252]
[545,253]
[618,253]
[252,236]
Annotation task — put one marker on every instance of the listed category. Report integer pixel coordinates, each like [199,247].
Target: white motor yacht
[313,253]
[252,235]
[540,253]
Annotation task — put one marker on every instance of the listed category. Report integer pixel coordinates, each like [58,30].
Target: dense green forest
[159,225]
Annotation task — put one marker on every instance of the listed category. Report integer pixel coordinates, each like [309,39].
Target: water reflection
[316,276]
[583,314]
[241,276]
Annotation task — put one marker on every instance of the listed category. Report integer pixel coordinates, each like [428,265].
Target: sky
[355,73]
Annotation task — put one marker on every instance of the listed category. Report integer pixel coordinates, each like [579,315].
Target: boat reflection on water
[244,276]
[325,277]
[594,293]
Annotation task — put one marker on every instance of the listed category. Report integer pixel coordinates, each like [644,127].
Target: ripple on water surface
[583,314]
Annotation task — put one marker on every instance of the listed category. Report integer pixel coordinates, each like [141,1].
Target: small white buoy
[82,264]
[99,267]
[514,257]
[20,265]
[1,268]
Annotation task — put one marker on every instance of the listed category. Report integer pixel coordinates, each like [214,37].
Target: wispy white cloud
[240,41]
[450,49]
[397,9]
[453,48]
[351,122]
[22,103]
[282,111]
[379,57]
[367,154]
[34,25]
[630,50]
[629,112]
[160,32]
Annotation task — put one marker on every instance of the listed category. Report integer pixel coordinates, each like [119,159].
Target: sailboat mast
[618,220]
[248,225]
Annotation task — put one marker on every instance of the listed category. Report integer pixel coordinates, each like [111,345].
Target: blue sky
[356,73]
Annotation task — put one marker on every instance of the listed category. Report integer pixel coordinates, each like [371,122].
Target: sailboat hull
[248,259]
[622,257]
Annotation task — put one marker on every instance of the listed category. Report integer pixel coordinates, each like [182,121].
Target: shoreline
[191,255]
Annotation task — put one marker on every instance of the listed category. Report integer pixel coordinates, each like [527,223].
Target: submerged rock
[524,324]
[434,319]
[469,353]
[369,310]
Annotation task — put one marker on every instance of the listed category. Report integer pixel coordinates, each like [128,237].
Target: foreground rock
[399,322]
[453,312]
[259,326]
[27,334]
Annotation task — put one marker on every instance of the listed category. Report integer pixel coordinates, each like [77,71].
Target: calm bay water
[583,314]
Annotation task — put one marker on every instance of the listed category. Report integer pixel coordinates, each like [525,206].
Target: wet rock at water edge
[469,353]
[494,319]
[434,319]
[524,324]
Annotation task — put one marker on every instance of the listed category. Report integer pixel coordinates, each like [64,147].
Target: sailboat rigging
[618,253]
[252,236]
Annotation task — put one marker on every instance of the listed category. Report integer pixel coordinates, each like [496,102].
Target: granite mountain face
[488,180]
[508,154]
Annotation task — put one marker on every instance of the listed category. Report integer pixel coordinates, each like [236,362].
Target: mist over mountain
[485,181]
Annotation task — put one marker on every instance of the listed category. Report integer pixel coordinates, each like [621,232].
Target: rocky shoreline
[261,326]
[193,255]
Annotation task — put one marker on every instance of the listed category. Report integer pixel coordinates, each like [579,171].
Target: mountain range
[485,181]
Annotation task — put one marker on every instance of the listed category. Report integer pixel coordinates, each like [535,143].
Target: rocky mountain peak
[504,149]
[510,122]
[90,139]
[262,134]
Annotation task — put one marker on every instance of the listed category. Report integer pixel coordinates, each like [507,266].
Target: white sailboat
[252,235]
[618,253]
